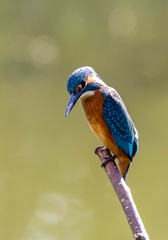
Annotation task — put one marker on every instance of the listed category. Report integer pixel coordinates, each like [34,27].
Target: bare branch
[124,195]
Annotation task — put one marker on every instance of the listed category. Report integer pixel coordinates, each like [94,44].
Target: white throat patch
[87,95]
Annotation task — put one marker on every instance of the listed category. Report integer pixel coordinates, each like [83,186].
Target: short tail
[123,166]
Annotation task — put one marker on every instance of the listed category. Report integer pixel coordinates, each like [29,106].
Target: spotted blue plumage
[119,122]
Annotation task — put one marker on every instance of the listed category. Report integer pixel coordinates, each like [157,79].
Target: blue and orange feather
[106,114]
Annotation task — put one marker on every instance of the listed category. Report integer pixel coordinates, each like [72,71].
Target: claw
[110,159]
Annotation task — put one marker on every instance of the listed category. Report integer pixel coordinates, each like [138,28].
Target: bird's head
[81,84]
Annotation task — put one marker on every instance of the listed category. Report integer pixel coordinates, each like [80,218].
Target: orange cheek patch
[90,79]
[78,88]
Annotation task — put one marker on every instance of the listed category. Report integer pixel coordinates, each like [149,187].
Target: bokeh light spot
[39,50]
[43,50]
[58,215]
[51,208]
[122,22]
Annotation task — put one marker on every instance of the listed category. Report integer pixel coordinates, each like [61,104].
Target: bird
[106,114]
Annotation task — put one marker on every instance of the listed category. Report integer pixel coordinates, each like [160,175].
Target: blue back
[120,123]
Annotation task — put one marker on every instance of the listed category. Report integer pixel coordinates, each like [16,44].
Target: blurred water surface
[51,183]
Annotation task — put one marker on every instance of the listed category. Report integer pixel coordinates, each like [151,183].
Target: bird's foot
[108,159]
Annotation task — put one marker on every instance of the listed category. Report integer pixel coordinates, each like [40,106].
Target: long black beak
[73,99]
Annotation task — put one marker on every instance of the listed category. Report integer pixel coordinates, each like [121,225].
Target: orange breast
[93,107]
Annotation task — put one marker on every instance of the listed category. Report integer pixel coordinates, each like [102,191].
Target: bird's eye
[83,84]
[80,86]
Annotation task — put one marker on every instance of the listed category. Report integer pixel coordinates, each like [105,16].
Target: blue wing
[120,123]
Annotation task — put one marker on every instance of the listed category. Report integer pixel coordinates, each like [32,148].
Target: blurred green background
[51,183]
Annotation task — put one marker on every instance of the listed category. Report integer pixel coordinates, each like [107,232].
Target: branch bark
[124,195]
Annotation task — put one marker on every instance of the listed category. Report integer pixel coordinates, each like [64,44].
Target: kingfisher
[106,113]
